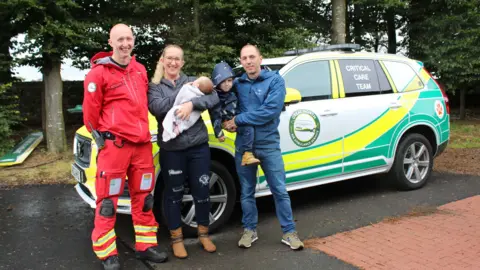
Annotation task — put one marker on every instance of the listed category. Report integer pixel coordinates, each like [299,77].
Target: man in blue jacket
[261,96]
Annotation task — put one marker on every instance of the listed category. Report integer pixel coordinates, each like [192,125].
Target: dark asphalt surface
[49,227]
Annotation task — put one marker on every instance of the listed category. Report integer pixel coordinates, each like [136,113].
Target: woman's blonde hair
[160,70]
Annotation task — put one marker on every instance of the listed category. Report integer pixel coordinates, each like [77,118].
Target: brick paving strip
[447,237]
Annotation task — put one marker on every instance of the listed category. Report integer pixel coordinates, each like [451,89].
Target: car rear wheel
[413,162]
[222,201]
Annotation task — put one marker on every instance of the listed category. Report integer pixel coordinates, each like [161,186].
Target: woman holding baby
[187,156]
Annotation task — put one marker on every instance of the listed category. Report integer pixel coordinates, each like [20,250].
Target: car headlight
[75,145]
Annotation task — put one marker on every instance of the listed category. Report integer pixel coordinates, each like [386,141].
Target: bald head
[119,29]
[122,42]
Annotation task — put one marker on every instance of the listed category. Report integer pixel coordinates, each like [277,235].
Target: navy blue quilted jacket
[225,110]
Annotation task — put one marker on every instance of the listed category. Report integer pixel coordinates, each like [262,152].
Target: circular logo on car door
[304,127]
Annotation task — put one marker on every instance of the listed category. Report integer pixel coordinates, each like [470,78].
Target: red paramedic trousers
[113,164]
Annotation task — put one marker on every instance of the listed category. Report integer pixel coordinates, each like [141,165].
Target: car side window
[403,76]
[385,86]
[312,79]
[360,78]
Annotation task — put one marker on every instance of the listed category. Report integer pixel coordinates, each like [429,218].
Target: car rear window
[403,76]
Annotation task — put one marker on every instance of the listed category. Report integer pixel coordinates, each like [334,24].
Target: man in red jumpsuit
[115,104]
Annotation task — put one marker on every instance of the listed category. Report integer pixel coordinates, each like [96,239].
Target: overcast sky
[68,72]
[29,73]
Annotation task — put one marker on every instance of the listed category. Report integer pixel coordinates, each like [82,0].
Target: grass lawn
[39,168]
[464,134]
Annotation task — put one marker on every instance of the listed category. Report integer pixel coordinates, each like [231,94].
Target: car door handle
[395,105]
[328,113]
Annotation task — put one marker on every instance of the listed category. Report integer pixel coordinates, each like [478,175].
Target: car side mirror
[293,96]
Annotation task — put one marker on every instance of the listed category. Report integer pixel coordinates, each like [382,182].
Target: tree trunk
[348,22]
[338,21]
[5,57]
[54,124]
[391,31]
[357,25]
[196,22]
[463,113]
[43,107]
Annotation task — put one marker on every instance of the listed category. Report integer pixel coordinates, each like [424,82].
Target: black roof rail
[334,47]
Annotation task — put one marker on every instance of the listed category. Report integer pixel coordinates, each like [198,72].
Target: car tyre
[221,210]
[413,162]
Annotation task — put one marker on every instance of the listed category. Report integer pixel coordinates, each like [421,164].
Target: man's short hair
[255,46]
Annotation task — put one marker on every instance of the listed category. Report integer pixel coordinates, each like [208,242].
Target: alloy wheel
[218,201]
[416,162]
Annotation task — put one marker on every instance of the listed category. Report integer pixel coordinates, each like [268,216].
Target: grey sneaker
[291,239]
[248,237]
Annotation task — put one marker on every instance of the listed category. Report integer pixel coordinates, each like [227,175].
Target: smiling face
[172,62]
[226,85]
[122,42]
[251,60]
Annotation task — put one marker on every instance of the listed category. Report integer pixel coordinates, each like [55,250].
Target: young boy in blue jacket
[226,109]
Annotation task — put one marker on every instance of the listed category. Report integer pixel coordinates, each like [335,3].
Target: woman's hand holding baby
[184,111]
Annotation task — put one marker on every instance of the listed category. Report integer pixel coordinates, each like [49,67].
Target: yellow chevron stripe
[144,229]
[340,80]
[364,137]
[333,79]
[354,142]
[424,75]
[102,240]
[104,253]
[146,239]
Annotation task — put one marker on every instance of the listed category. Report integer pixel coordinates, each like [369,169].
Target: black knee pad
[148,203]
[107,209]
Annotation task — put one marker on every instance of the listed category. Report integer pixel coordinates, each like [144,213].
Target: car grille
[83,150]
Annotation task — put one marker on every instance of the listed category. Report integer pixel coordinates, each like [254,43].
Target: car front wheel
[222,201]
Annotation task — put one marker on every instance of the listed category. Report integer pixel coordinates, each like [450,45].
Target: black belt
[108,136]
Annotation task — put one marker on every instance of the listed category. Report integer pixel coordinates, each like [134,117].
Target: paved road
[48,227]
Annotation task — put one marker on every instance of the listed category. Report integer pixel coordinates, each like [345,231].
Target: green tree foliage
[53,29]
[9,116]
[373,23]
[211,31]
[445,35]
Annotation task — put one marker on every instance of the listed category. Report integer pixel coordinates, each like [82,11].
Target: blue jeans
[273,166]
[247,133]
[192,165]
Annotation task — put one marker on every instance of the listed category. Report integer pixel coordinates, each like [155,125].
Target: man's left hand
[230,125]
[184,111]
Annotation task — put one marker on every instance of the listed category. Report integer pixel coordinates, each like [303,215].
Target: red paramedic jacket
[115,99]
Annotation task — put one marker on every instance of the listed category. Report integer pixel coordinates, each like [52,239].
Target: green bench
[22,150]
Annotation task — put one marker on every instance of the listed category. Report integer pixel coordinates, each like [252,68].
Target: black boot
[152,254]
[111,263]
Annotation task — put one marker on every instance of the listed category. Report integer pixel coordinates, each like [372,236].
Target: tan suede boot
[249,159]
[177,243]
[205,240]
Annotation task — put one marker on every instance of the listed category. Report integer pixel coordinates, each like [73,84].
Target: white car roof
[274,61]
[277,60]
